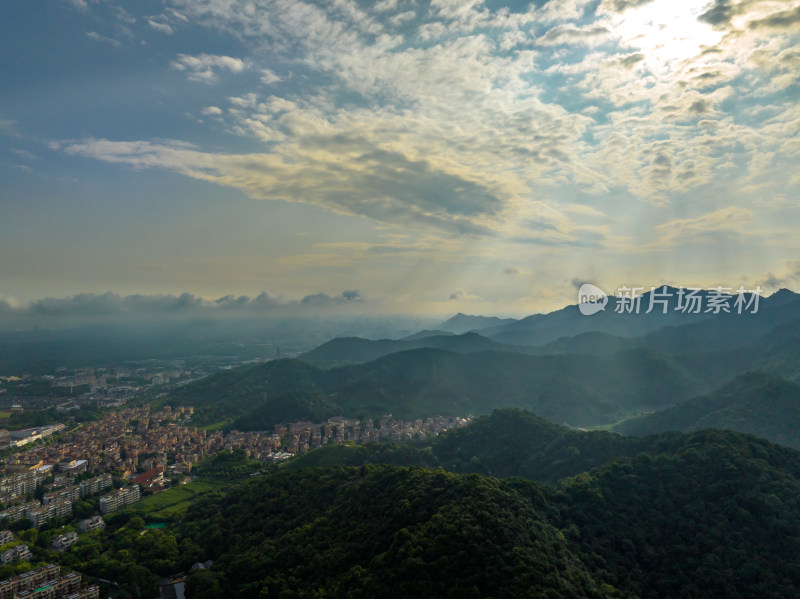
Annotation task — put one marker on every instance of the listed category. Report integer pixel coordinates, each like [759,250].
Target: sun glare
[667,31]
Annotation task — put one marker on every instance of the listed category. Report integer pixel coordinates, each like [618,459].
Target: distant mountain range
[464,323]
[344,350]
[569,331]
[594,378]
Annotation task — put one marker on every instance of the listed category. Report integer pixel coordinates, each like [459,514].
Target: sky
[395,156]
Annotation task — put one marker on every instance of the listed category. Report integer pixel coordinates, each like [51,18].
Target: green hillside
[382,532]
[703,515]
[576,390]
[706,515]
[755,403]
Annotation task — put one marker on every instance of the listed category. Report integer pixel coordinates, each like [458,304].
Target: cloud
[785,19]
[161,27]
[789,275]
[511,270]
[577,283]
[385,5]
[345,177]
[109,304]
[268,77]
[475,120]
[204,67]
[101,38]
[318,300]
[572,34]
[403,17]
[731,220]
[231,302]
[459,295]
[621,5]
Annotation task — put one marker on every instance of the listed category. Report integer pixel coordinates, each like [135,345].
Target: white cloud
[102,38]
[403,17]
[731,220]
[161,27]
[204,67]
[269,77]
[385,5]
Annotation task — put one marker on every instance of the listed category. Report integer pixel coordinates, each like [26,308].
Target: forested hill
[511,442]
[703,515]
[383,532]
[717,516]
[576,390]
[756,403]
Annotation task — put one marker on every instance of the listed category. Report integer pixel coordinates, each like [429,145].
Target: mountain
[539,329]
[593,343]
[755,403]
[426,333]
[708,519]
[382,532]
[728,330]
[353,349]
[464,323]
[579,390]
[508,442]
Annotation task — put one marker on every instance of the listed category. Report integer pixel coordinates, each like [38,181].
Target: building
[47,582]
[121,498]
[74,466]
[95,485]
[16,553]
[18,485]
[59,508]
[28,580]
[92,523]
[6,536]
[18,512]
[70,493]
[150,479]
[63,542]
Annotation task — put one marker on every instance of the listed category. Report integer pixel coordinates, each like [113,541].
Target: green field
[174,501]
[217,425]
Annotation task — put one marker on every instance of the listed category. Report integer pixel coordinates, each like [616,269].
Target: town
[113,462]
[146,450]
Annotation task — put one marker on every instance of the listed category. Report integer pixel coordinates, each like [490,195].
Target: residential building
[28,580]
[92,523]
[62,542]
[70,493]
[121,498]
[95,485]
[15,554]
